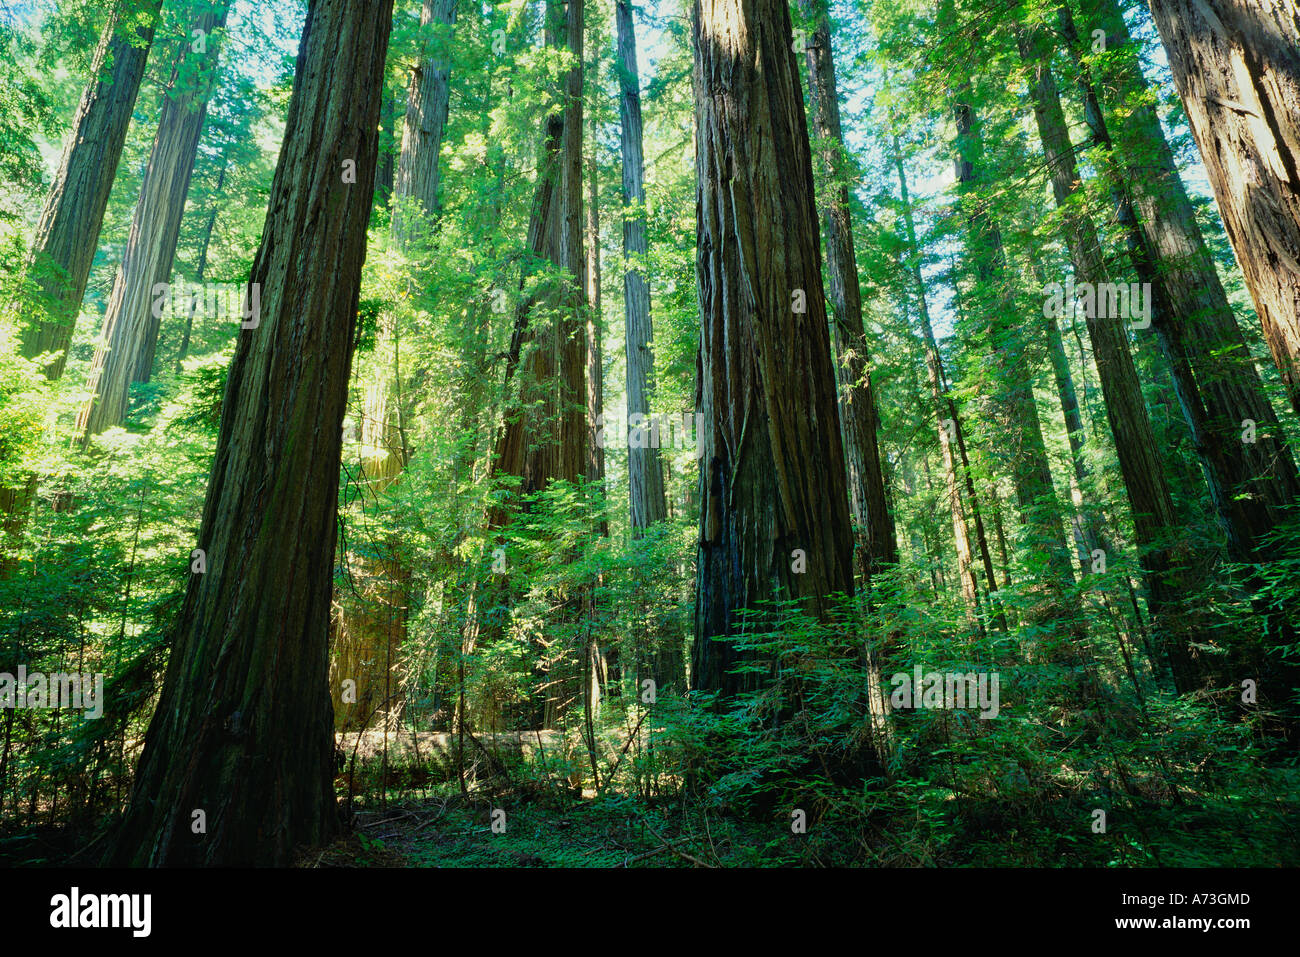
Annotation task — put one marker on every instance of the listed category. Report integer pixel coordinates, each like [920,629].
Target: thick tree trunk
[243,731]
[772,482]
[68,231]
[1236,64]
[1154,518]
[426,121]
[877,546]
[125,353]
[644,469]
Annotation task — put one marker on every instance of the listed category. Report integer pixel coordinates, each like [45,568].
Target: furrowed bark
[243,730]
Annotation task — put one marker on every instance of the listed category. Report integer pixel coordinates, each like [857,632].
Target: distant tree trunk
[243,730]
[877,546]
[130,330]
[1154,518]
[202,268]
[644,469]
[772,478]
[68,231]
[1030,470]
[595,324]
[1236,64]
[1014,374]
[554,367]
[387,151]
[947,420]
[426,121]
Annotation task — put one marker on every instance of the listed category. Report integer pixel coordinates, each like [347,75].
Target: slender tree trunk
[947,421]
[1015,375]
[774,514]
[877,547]
[243,731]
[1236,64]
[130,332]
[644,469]
[384,181]
[201,271]
[595,323]
[1154,518]
[68,231]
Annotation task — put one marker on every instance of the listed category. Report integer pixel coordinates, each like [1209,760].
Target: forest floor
[555,832]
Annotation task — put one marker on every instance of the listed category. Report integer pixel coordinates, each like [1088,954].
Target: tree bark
[130,330]
[644,469]
[427,104]
[243,730]
[68,231]
[877,546]
[1218,386]
[772,477]
[1236,64]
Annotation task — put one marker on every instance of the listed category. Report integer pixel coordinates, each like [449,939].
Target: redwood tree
[877,547]
[772,478]
[68,231]
[1236,64]
[243,731]
[130,330]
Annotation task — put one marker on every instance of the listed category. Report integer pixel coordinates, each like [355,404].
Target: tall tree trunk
[877,547]
[644,470]
[384,181]
[68,231]
[947,420]
[772,477]
[426,121]
[243,731]
[1236,64]
[130,331]
[1014,375]
[554,367]
[1217,383]
[202,268]
[1214,378]
[1154,518]
[595,322]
